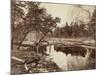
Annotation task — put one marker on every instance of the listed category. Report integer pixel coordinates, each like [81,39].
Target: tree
[92,25]
[16,12]
[39,20]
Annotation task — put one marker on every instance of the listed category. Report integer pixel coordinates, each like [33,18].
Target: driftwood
[18,59]
[24,45]
[23,62]
[88,46]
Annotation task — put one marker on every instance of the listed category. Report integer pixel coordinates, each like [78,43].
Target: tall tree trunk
[22,40]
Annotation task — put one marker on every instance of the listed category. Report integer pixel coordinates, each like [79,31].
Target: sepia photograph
[52,37]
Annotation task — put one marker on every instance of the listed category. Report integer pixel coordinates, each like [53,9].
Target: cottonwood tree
[37,19]
[16,13]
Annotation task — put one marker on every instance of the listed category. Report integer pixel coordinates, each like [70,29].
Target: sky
[68,13]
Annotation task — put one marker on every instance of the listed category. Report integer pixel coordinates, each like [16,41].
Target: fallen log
[18,59]
[23,62]
[88,46]
[24,45]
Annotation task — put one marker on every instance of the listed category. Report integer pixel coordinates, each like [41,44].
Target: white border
[5,37]
[86,2]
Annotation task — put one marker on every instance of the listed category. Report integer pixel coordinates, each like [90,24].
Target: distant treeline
[78,30]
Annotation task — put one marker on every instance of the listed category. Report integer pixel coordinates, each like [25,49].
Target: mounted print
[52,37]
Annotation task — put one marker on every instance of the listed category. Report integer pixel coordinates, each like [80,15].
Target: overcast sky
[67,13]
